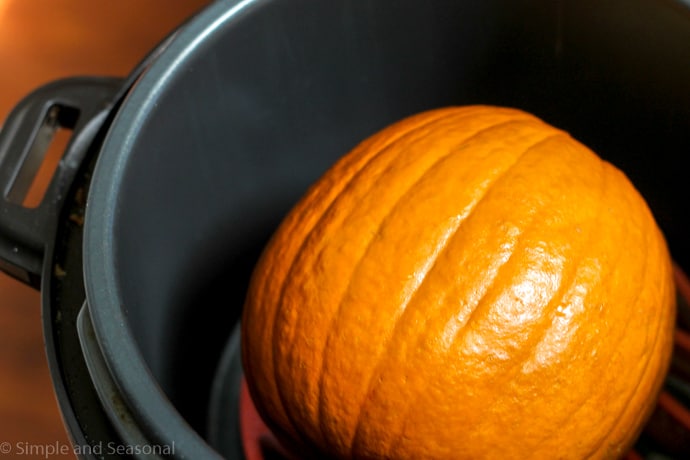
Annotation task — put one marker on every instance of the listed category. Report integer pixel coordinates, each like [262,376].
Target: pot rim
[133,377]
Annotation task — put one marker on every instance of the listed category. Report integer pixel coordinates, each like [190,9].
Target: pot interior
[277,91]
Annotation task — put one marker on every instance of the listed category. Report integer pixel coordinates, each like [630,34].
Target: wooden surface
[40,41]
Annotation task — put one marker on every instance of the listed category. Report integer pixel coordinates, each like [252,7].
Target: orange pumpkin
[469,282]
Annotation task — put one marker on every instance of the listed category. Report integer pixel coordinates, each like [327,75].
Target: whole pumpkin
[469,282]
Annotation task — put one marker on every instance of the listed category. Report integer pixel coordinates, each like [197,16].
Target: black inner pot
[253,100]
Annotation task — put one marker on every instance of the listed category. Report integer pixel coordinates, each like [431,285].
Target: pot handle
[80,104]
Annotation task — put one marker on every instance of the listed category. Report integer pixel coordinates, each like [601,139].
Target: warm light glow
[3,9]
[4,37]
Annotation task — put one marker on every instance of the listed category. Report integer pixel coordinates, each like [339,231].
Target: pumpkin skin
[468,282]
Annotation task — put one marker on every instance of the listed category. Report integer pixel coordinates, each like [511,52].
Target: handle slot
[49,142]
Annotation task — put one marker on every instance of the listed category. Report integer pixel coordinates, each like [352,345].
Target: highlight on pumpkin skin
[458,286]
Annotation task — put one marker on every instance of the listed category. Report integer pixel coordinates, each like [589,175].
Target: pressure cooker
[175,177]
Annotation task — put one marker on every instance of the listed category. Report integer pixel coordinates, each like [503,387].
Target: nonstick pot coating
[253,100]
